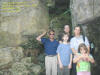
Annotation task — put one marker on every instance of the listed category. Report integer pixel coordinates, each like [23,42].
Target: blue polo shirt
[50,46]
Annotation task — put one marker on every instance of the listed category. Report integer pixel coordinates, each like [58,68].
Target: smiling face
[66,29]
[77,31]
[51,34]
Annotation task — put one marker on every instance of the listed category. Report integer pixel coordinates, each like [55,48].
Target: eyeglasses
[51,34]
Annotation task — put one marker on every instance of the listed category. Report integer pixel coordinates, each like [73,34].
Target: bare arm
[71,59]
[90,59]
[40,36]
[87,43]
[60,63]
[77,58]
[88,49]
[70,65]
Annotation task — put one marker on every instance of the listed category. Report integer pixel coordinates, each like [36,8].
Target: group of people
[67,56]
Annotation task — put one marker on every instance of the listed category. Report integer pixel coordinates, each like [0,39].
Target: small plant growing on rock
[32,47]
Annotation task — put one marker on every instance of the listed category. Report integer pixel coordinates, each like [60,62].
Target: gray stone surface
[10,55]
[36,69]
[5,57]
[13,62]
[84,10]
[19,18]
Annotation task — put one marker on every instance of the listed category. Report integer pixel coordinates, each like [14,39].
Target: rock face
[84,10]
[13,62]
[19,18]
[10,55]
[5,57]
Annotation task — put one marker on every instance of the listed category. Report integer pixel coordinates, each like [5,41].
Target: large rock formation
[19,18]
[10,55]
[13,62]
[84,10]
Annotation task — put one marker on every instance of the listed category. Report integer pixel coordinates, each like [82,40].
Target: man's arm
[40,36]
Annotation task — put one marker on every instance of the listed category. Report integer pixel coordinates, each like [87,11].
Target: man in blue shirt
[50,45]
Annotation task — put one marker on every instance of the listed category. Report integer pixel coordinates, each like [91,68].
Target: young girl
[83,59]
[64,54]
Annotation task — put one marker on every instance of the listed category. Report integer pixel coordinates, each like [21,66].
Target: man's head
[66,29]
[77,30]
[51,34]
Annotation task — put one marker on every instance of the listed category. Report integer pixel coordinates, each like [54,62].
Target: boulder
[19,69]
[84,10]
[36,69]
[19,18]
[10,55]
[5,57]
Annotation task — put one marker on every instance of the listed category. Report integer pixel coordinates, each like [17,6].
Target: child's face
[82,51]
[65,38]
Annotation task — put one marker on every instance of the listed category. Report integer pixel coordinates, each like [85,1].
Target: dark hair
[64,35]
[51,30]
[81,30]
[84,46]
[78,26]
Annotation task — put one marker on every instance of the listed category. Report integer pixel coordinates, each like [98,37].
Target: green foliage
[58,21]
[32,43]
[41,59]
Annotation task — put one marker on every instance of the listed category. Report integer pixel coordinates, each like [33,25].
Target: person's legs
[66,71]
[48,65]
[54,65]
[60,71]
[74,69]
[71,71]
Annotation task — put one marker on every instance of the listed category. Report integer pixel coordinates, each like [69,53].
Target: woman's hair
[64,35]
[83,46]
